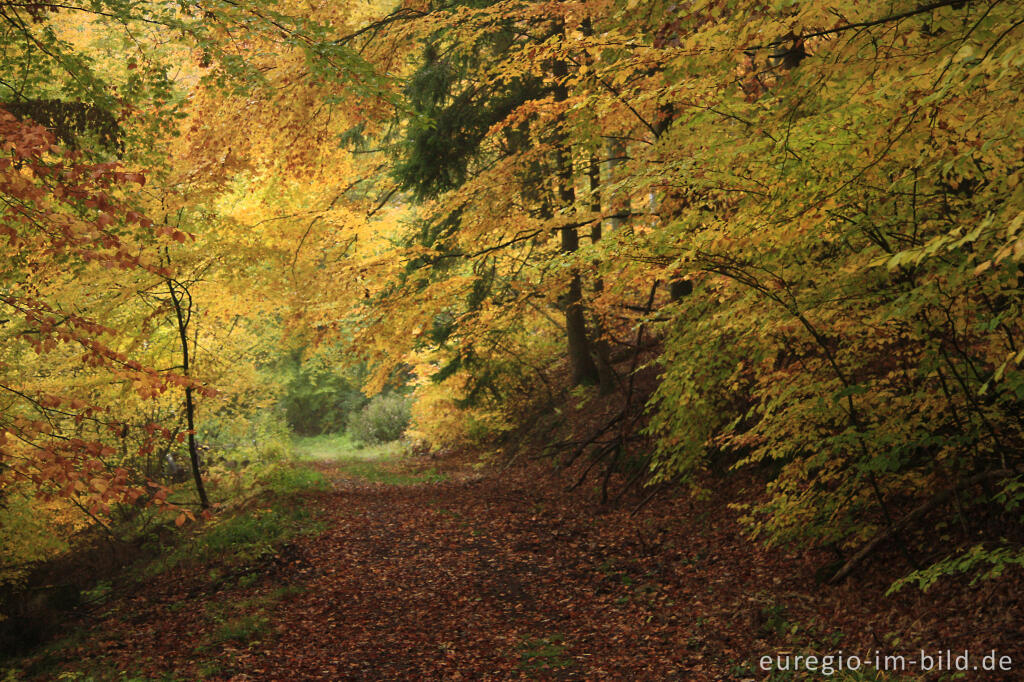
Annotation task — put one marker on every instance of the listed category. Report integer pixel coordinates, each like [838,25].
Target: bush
[383,420]
[317,398]
[273,449]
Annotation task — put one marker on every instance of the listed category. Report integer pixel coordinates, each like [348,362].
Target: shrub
[444,414]
[273,449]
[317,398]
[383,420]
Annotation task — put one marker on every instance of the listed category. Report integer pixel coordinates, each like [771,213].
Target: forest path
[432,569]
[504,574]
[487,576]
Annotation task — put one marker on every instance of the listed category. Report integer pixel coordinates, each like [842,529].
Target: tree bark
[193,450]
[583,370]
[605,373]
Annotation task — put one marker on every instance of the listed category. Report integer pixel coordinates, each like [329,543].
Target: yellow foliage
[438,420]
[31,531]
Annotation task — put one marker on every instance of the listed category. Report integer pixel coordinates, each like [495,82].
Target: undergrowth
[251,532]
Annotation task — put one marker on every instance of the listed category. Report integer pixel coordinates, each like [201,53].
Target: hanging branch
[919,511]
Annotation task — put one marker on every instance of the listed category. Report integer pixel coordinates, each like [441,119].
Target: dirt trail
[490,577]
[501,577]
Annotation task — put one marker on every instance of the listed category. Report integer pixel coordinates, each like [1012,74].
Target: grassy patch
[244,536]
[243,629]
[252,534]
[774,621]
[292,480]
[325,447]
[383,463]
[543,653]
[241,624]
[388,472]
[287,591]
[340,447]
[243,621]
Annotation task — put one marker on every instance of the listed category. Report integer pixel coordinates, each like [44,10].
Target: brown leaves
[173,233]
[64,218]
[506,576]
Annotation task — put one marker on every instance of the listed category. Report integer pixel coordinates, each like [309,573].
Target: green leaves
[856,219]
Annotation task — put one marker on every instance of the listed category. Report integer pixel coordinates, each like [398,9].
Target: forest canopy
[745,235]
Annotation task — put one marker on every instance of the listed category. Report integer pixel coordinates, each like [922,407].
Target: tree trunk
[193,451]
[582,367]
[606,375]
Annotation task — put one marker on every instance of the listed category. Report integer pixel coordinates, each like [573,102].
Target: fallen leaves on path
[504,575]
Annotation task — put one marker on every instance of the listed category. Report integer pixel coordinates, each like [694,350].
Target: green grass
[291,480]
[287,591]
[384,471]
[543,654]
[246,536]
[252,534]
[327,446]
[243,629]
[333,447]
[383,463]
[244,620]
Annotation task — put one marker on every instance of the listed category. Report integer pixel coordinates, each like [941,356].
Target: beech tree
[837,190]
[806,216]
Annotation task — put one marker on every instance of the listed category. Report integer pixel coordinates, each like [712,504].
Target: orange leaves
[545,110]
[148,383]
[138,218]
[160,493]
[72,469]
[137,178]
[46,191]
[175,234]
[66,225]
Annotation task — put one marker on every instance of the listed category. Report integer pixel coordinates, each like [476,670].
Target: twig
[910,518]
